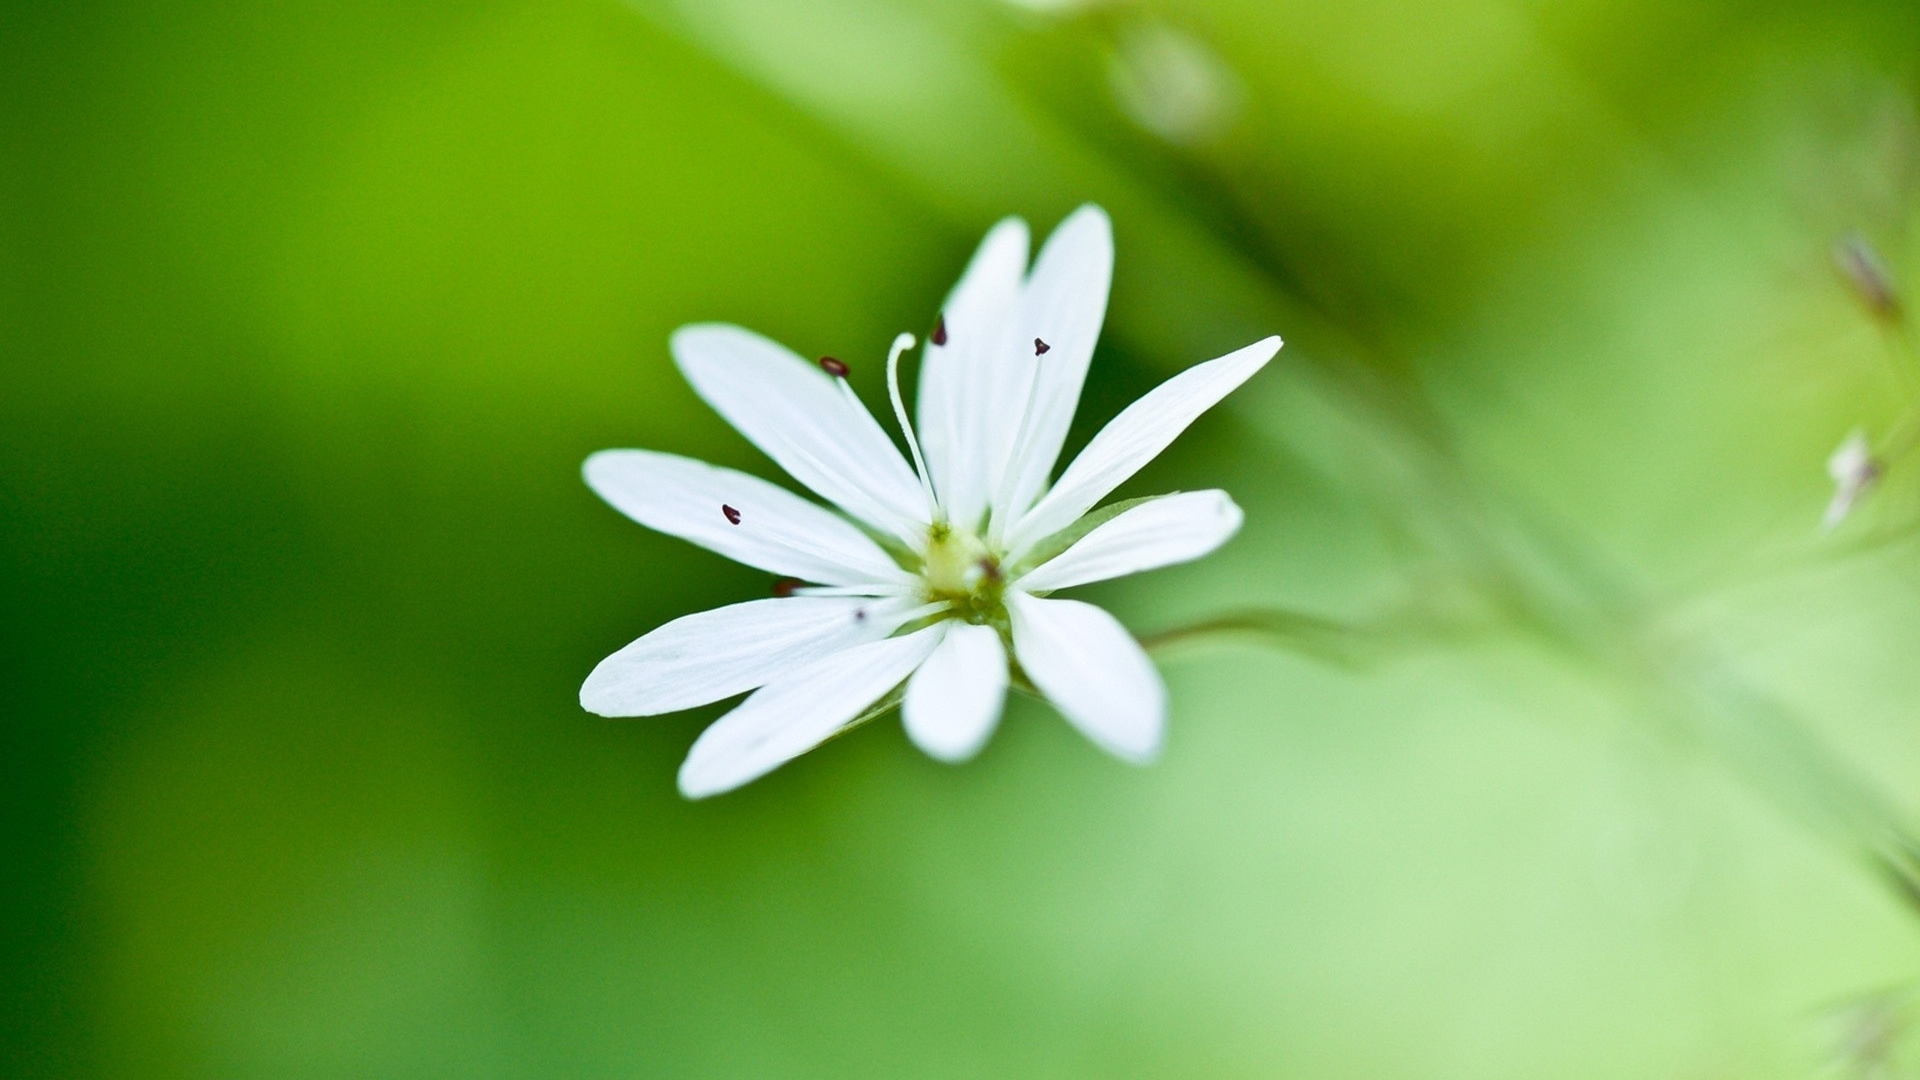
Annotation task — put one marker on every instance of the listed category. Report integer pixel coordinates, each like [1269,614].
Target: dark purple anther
[1040,347]
[859,615]
[835,368]
[733,516]
[940,330]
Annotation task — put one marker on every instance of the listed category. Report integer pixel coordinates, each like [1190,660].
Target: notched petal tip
[703,775]
[1265,348]
[1008,230]
[593,699]
[1143,756]
[594,469]
[1088,215]
[694,786]
[1227,512]
[609,473]
[947,755]
[694,343]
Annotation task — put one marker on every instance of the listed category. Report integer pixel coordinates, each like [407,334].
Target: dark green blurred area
[308,316]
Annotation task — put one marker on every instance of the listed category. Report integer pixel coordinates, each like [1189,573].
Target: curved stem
[1349,645]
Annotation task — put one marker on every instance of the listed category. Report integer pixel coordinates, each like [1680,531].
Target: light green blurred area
[308,316]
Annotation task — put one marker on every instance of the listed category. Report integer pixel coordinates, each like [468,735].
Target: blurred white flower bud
[1854,469]
[1172,84]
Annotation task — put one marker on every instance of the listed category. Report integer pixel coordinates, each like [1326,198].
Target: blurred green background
[309,313]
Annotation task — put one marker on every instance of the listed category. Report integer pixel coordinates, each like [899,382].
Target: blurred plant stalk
[912,87]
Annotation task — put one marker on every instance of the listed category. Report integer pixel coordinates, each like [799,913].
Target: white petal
[1062,305]
[716,654]
[953,701]
[1093,671]
[816,431]
[778,531]
[791,716]
[1168,530]
[1137,436]
[953,401]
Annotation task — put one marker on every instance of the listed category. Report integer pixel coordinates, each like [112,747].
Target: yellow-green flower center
[962,569]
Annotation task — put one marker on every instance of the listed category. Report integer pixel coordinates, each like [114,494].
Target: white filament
[1003,507]
[879,589]
[901,344]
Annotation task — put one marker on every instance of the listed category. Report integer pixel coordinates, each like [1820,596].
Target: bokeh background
[309,313]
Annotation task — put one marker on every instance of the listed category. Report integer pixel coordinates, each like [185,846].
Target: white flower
[937,568]
[1854,469]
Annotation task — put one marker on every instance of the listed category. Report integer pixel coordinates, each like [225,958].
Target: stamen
[875,590]
[732,515]
[924,610]
[833,367]
[901,344]
[784,587]
[939,335]
[1016,453]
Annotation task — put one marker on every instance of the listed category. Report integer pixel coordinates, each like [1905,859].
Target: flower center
[962,569]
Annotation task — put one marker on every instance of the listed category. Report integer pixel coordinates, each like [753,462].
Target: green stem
[1324,639]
